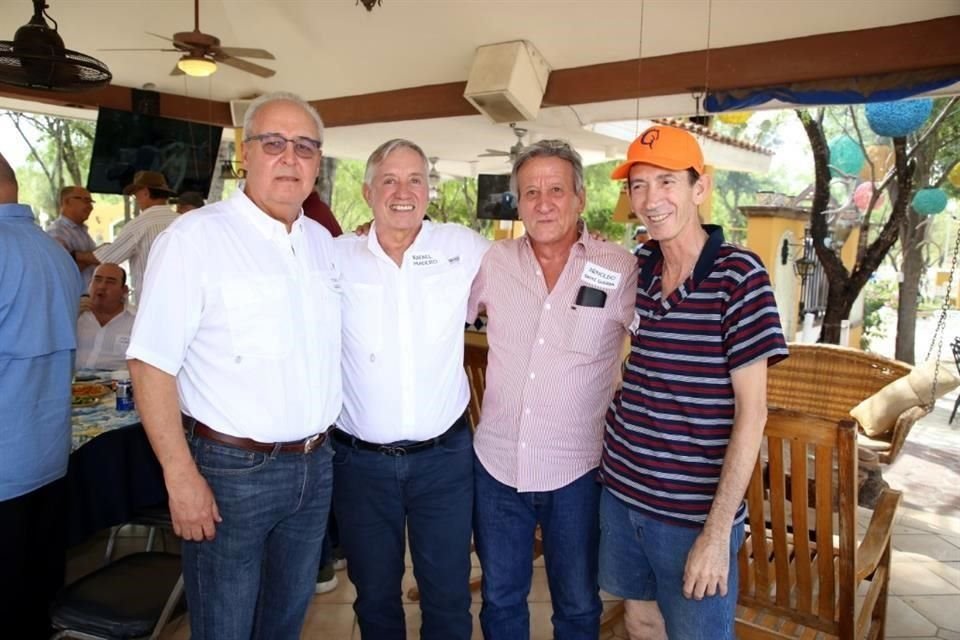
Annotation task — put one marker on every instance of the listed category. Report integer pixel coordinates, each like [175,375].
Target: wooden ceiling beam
[868,52]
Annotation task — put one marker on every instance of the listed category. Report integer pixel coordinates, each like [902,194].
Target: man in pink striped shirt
[559,304]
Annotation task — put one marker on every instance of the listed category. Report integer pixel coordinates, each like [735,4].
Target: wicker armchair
[828,381]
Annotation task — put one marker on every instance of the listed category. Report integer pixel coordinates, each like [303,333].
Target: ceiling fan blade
[243,52]
[493,154]
[177,71]
[243,65]
[157,35]
[172,50]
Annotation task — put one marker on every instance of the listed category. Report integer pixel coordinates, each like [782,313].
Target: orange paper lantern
[881,157]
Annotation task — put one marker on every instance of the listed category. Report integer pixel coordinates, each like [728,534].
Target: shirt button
[527,411]
[547,306]
[538,272]
[523,445]
[540,341]
[238,359]
[373,358]
[532,375]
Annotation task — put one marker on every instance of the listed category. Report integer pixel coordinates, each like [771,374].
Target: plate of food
[88,393]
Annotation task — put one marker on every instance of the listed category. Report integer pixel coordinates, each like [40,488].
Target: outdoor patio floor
[924,588]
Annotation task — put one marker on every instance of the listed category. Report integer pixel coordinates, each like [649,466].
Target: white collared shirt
[403,375]
[247,317]
[103,347]
[134,242]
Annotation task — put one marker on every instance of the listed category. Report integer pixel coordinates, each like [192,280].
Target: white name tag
[425,259]
[597,276]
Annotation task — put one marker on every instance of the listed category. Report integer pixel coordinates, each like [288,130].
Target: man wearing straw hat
[683,434]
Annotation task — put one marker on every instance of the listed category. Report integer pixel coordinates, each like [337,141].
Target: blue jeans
[377,498]
[643,558]
[256,577]
[504,523]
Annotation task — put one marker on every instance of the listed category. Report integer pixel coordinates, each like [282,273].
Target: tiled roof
[706,132]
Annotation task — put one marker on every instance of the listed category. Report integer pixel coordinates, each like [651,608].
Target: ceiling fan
[202,51]
[514,150]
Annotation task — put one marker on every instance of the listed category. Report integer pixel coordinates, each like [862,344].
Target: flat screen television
[494,200]
[185,152]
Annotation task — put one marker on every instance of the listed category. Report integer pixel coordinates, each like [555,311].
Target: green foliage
[60,156]
[877,295]
[602,195]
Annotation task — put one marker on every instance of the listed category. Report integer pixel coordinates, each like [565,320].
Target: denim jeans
[504,524]
[429,493]
[643,558]
[256,577]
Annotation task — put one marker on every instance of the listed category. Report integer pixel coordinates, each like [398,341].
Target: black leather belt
[397,449]
[297,446]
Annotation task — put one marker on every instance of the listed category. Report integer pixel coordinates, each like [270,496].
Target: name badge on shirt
[426,259]
[597,276]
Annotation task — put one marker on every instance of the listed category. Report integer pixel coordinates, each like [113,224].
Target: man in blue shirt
[39,289]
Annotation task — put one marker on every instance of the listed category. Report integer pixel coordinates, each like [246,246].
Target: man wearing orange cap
[683,434]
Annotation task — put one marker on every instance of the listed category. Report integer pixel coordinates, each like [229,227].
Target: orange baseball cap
[662,146]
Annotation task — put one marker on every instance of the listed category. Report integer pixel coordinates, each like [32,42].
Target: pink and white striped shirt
[552,365]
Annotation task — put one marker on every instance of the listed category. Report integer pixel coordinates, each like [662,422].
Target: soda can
[124,396]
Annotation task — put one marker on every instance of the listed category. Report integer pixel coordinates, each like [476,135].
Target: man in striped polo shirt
[683,434]
[559,304]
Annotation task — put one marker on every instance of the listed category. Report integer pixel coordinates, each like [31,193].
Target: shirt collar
[16,211]
[373,243]
[704,263]
[267,226]
[70,223]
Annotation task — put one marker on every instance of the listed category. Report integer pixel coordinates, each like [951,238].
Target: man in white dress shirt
[151,192]
[103,331]
[403,445]
[239,327]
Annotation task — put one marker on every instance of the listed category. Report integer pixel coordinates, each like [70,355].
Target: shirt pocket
[444,299]
[363,315]
[258,317]
[325,298]
[588,327]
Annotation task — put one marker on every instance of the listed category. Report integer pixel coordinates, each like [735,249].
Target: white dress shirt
[134,243]
[103,347]
[403,332]
[247,317]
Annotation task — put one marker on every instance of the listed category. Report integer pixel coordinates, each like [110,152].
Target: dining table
[112,474]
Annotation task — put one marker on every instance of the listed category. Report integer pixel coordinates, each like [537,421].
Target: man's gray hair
[386,149]
[279,96]
[549,149]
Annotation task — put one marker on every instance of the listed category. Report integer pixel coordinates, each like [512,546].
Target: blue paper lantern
[929,202]
[897,119]
[846,156]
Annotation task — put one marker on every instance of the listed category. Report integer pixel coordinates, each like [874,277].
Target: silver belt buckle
[311,442]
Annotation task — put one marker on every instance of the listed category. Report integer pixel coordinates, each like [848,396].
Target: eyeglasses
[274,144]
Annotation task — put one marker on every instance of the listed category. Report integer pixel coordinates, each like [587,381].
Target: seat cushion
[878,413]
[123,599]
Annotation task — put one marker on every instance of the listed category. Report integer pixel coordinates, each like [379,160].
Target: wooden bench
[828,381]
[801,568]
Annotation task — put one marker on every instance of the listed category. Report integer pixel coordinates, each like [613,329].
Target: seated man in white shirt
[103,331]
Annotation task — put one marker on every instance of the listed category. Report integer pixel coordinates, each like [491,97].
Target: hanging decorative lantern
[846,156]
[735,118]
[896,119]
[954,176]
[881,157]
[862,195]
[929,202]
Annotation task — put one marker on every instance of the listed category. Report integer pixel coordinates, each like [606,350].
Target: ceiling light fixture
[196,66]
[369,4]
